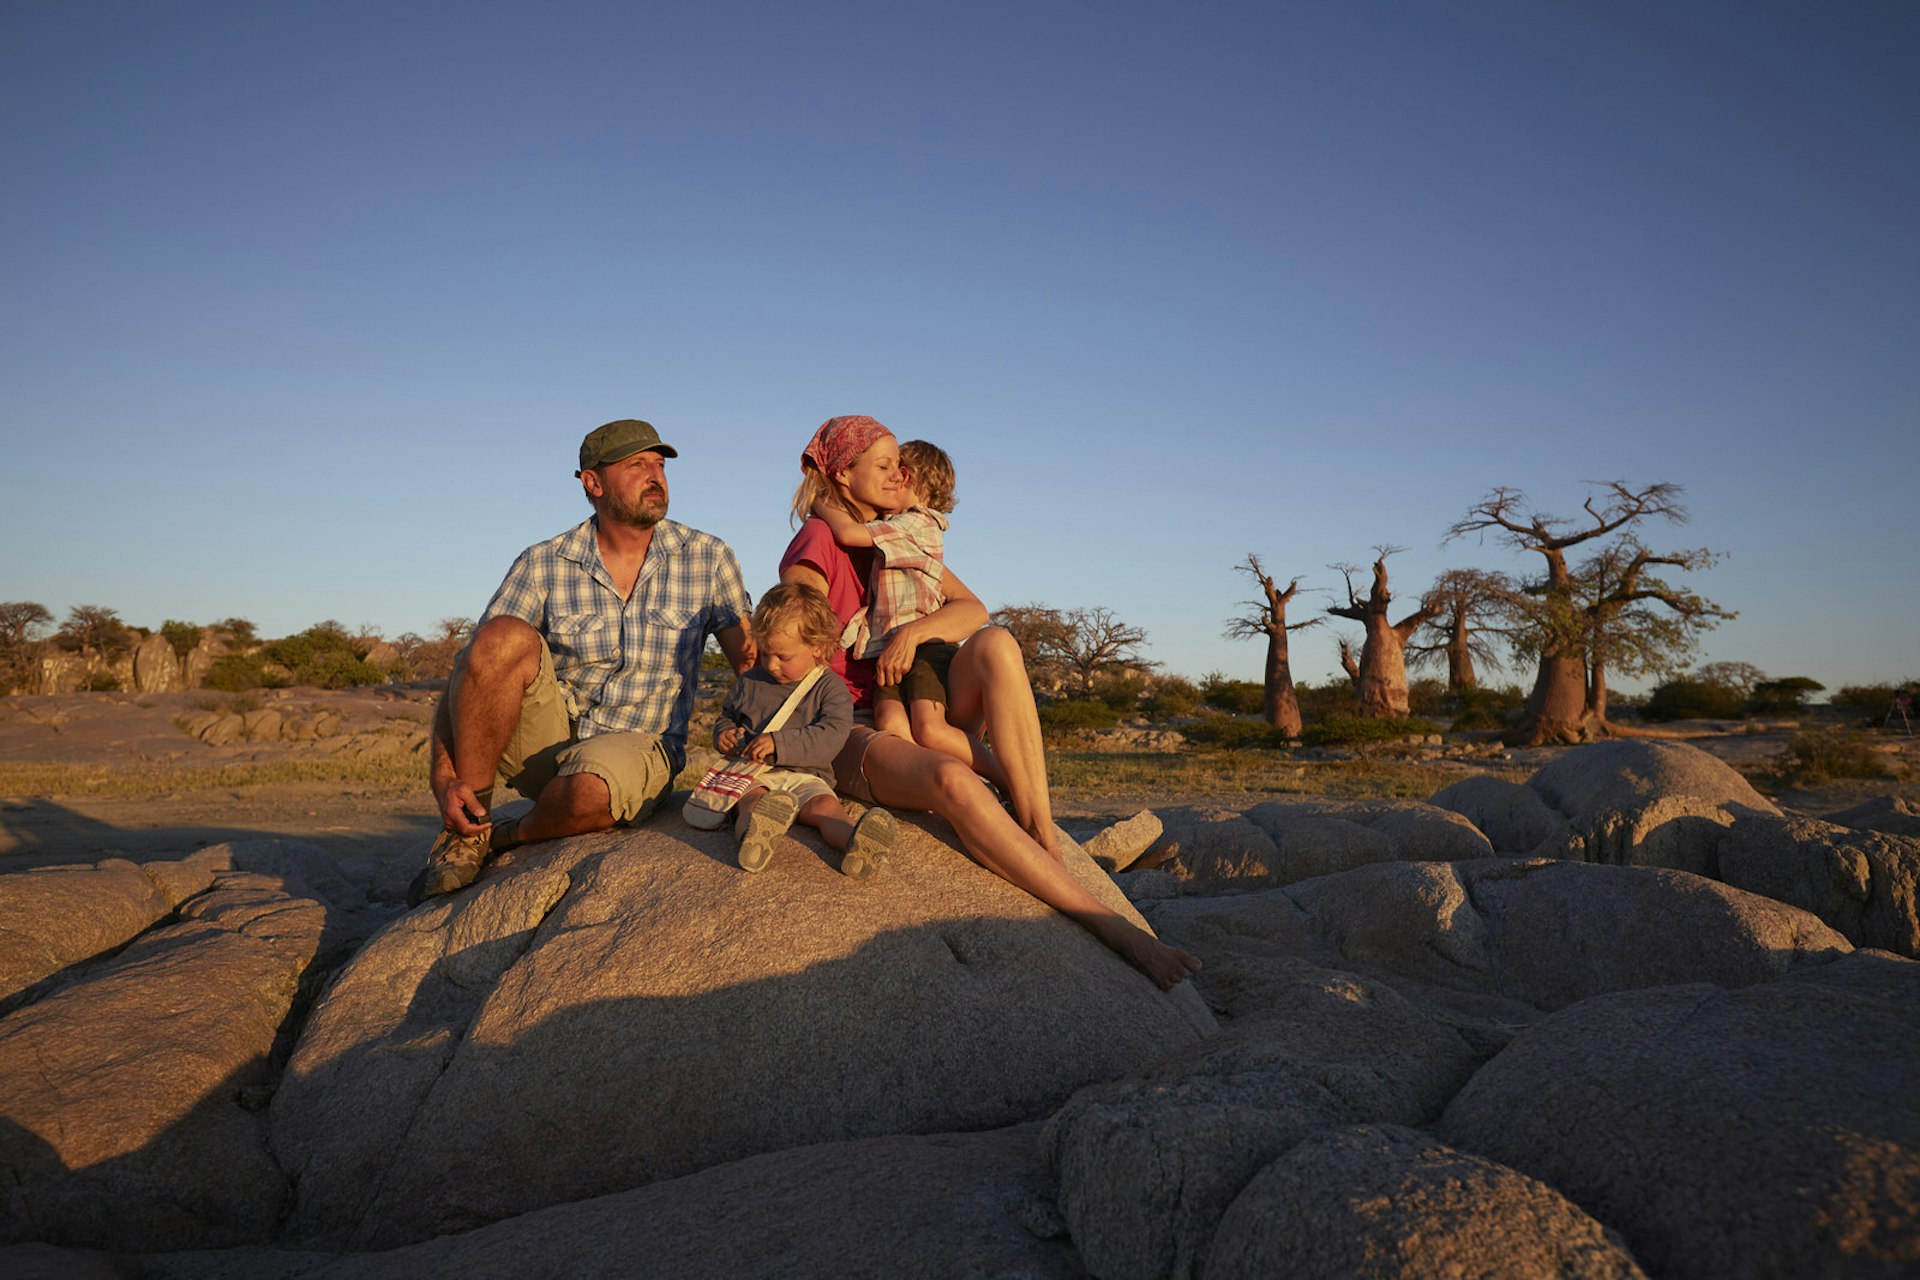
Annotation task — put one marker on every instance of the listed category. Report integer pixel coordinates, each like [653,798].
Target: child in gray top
[795,631]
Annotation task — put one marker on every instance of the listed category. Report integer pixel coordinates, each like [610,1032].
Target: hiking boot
[768,822]
[872,841]
[453,863]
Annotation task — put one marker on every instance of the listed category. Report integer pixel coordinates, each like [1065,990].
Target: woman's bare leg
[907,776]
[991,696]
[932,730]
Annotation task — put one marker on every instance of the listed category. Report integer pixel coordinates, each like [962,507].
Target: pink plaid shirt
[907,569]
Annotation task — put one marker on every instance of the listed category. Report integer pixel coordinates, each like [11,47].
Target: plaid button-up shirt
[907,575]
[627,666]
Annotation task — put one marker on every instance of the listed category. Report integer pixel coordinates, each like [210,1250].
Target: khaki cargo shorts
[635,766]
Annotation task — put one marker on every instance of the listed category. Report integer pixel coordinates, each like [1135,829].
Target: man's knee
[504,646]
[583,799]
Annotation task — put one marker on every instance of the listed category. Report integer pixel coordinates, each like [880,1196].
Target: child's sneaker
[872,841]
[768,822]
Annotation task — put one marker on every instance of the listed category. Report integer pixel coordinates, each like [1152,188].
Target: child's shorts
[805,788]
[926,679]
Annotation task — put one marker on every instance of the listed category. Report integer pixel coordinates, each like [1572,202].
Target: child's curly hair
[930,471]
[803,610]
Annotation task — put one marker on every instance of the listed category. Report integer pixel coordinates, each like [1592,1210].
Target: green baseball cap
[619,440]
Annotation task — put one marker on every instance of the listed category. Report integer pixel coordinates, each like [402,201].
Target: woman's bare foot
[1167,966]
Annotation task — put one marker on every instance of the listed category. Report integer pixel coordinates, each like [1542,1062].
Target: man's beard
[648,510]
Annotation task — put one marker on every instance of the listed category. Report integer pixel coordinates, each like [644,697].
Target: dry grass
[138,779]
[1247,773]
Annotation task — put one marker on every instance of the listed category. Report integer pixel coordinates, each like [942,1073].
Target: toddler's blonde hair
[802,610]
[930,472]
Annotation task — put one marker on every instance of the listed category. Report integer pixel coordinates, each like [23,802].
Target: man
[578,684]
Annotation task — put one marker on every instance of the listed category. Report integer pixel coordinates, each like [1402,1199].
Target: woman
[856,461]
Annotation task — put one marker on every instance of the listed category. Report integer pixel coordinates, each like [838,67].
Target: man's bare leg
[573,804]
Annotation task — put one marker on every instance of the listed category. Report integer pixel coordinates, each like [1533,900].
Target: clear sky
[304,307]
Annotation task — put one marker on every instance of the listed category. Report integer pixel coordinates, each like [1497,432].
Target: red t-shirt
[846,573]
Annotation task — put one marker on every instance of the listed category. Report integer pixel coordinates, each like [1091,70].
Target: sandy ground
[112,741]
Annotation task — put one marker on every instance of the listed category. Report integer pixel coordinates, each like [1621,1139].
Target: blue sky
[306,306]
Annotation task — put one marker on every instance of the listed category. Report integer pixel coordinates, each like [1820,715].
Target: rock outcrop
[1283,841]
[638,993]
[132,1113]
[1770,1130]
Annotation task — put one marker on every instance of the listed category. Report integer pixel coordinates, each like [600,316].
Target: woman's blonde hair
[801,609]
[813,487]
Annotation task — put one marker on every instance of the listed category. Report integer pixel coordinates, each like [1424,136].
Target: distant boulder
[1628,773]
[155,667]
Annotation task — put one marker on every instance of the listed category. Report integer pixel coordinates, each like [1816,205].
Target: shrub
[1784,696]
[1234,734]
[337,669]
[1235,697]
[182,636]
[1868,701]
[1350,731]
[1688,698]
[1427,697]
[103,682]
[1825,755]
[1485,708]
[237,672]
[1329,701]
[1123,693]
[1172,696]
[1077,715]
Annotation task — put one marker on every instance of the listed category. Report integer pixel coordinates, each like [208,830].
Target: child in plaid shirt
[909,558]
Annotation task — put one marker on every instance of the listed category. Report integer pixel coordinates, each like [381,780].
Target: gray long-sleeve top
[813,734]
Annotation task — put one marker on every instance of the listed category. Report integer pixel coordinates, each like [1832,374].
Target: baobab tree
[1611,610]
[1380,673]
[1267,617]
[1470,610]
[1637,622]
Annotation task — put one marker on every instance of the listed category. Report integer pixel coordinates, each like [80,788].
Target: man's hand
[729,739]
[461,811]
[761,749]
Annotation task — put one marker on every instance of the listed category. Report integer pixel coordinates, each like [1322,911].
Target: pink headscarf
[839,443]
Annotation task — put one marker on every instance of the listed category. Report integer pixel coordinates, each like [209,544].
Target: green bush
[337,669]
[1689,699]
[1784,696]
[238,672]
[1123,694]
[1077,715]
[103,682]
[1234,734]
[1827,755]
[1427,697]
[182,636]
[1485,708]
[1329,701]
[1868,701]
[1172,696]
[1235,697]
[1354,731]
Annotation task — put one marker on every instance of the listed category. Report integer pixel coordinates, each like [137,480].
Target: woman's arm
[954,621]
